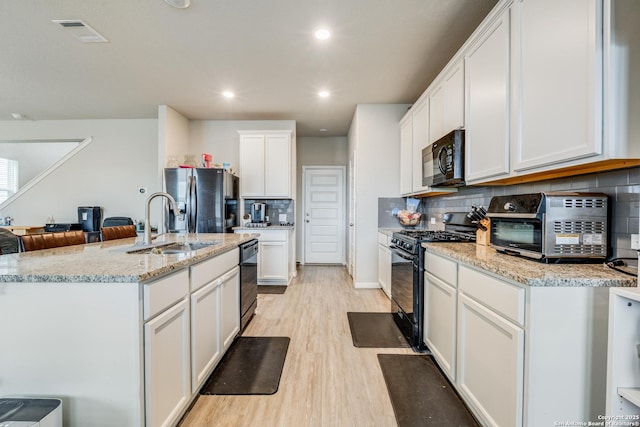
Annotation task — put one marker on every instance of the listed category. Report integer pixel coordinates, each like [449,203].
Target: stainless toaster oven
[551,226]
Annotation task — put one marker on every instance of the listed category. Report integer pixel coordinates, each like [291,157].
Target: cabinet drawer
[442,268]
[271,235]
[505,299]
[383,239]
[206,271]
[162,293]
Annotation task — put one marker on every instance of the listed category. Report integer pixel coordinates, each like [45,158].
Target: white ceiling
[381,51]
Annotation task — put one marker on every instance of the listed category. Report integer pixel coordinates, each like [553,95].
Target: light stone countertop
[530,272]
[108,262]
[270,227]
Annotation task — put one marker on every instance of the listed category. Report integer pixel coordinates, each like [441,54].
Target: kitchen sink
[173,248]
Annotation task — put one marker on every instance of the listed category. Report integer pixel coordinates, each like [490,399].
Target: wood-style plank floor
[326,381]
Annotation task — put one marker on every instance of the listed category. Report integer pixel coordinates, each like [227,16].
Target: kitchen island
[523,342]
[122,338]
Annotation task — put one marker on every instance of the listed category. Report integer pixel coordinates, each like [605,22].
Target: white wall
[316,151]
[375,137]
[173,135]
[34,157]
[107,173]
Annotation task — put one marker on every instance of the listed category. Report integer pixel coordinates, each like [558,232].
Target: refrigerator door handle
[188,204]
[193,208]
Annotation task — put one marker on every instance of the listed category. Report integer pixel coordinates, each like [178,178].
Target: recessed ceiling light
[17,116]
[180,4]
[322,33]
[323,130]
[323,94]
[228,94]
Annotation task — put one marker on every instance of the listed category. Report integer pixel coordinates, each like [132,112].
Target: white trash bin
[28,412]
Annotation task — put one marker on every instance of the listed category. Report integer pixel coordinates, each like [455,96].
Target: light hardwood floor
[326,381]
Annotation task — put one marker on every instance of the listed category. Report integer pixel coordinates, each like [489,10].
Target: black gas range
[410,240]
[407,273]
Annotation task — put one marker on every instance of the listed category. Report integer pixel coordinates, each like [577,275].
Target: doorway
[323,214]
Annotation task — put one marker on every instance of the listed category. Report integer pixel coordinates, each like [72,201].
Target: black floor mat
[252,365]
[271,289]
[375,330]
[420,394]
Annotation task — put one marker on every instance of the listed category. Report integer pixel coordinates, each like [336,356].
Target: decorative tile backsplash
[622,186]
[275,207]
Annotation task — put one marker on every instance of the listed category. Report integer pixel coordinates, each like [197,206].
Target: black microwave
[443,161]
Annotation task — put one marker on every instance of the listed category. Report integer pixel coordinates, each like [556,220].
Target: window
[8,178]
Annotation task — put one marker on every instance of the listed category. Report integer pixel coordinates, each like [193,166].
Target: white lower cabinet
[205,333]
[167,373]
[490,363]
[191,319]
[229,307]
[440,323]
[272,261]
[520,355]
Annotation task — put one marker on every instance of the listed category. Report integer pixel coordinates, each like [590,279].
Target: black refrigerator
[208,200]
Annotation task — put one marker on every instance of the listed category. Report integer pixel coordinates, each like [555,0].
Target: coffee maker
[90,218]
[258,212]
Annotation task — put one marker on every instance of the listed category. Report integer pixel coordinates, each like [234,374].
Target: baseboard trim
[366,285]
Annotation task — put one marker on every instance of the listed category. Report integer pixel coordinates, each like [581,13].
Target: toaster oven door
[518,235]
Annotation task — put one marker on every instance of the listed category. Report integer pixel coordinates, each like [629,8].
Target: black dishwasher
[248,281]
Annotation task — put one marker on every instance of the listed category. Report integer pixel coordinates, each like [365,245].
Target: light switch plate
[635,242]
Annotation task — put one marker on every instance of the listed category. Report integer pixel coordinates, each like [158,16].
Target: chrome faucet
[147,226]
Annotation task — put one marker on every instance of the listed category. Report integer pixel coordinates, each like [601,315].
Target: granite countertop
[532,273]
[108,262]
[270,227]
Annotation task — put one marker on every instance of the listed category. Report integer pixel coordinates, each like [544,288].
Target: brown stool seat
[34,242]
[118,232]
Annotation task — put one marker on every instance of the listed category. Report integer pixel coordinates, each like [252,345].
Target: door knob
[307,221]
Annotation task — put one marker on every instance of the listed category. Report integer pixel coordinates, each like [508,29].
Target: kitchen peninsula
[122,338]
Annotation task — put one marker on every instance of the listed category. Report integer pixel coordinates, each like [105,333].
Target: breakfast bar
[124,333]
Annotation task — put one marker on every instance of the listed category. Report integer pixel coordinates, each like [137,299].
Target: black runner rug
[252,365]
[271,289]
[420,394]
[375,330]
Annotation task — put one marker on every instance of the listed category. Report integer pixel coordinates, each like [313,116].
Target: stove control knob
[509,207]
[407,245]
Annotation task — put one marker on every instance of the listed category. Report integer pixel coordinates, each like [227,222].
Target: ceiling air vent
[81,30]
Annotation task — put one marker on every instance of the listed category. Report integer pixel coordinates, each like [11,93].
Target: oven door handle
[401,254]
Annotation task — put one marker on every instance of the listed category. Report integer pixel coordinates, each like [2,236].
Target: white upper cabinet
[557,81]
[487,91]
[406,155]
[436,113]
[265,164]
[446,102]
[277,172]
[420,134]
[453,98]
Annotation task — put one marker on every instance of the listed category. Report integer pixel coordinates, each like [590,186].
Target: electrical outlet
[433,220]
[635,242]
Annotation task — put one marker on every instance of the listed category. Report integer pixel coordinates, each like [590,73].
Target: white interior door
[324,215]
